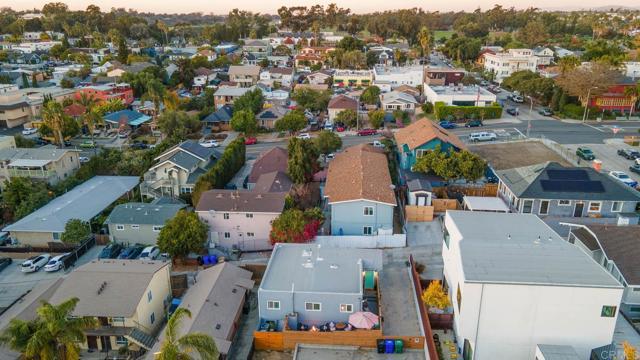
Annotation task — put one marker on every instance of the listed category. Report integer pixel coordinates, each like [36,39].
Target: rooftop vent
[218,326]
[102,286]
[333,266]
[306,253]
[308,264]
[234,290]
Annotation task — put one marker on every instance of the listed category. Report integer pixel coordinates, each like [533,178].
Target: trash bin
[380,343]
[389,346]
[213,259]
[399,346]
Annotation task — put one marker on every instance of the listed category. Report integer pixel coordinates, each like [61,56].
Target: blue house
[220,118]
[360,192]
[421,136]
[126,117]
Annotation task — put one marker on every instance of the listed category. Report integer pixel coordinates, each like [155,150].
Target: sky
[270,6]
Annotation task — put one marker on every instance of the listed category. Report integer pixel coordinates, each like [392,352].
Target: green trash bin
[399,346]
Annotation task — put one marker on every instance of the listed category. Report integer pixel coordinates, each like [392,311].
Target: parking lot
[607,153]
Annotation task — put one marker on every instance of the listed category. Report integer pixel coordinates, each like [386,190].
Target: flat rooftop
[392,70]
[522,249]
[460,90]
[312,268]
[328,352]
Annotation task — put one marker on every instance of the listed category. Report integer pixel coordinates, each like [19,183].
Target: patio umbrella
[363,319]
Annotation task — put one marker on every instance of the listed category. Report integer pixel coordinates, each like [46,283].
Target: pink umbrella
[363,319]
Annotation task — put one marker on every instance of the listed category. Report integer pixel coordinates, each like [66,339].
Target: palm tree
[633,92]
[91,119]
[156,93]
[54,117]
[424,38]
[87,100]
[177,347]
[53,334]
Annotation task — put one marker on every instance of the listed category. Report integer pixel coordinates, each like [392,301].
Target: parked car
[210,143]
[623,178]
[35,263]
[131,252]
[377,144]
[124,134]
[483,136]
[4,262]
[29,131]
[250,141]
[545,112]
[110,251]
[629,154]
[150,253]
[473,123]
[304,136]
[517,99]
[88,144]
[513,111]
[585,153]
[367,132]
[445,124]
[138,145]
[484,83]
[329,156]
[635,168]
[56,263]
[83,159]
[339,128]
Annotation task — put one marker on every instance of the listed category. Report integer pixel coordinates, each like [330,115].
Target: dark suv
[473,123]
[111,251]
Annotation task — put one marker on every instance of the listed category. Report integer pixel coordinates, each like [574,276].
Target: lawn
[439,34]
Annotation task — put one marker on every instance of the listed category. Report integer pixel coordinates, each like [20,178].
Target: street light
[530,110]
[584,115]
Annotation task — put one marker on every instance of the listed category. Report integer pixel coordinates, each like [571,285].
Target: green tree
[54,118]
[296,226]
[22,196]
[303,160]
[251,100]
[451,164]
[376,118]
[53,334]
[311,99]
[327,142]
[292,121]
[178,124]
[23,142]
[75,231]
[348,117]
[371,95]
[244,121]
[182,235]
[123,50]
[424,39]
[65,83]
[176,347]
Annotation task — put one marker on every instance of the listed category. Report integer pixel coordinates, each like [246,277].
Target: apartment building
[46,163]
[20,106]
[503,64]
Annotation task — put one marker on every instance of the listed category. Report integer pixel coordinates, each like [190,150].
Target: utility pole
[584,115]
[530,110]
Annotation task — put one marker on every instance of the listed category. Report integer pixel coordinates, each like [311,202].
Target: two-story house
[259,49]
[141,223]
[177,169]
[336,291]
[545,55]
[503,64]
[274,159]
[226,95]
[46,163]
[277,77]
[422,136]
[128,298]
[360,192]
[338,104]
[244,75]
[550,189]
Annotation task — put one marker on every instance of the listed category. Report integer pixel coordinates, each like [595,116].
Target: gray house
[553,190]
[360,192]
[139,222]
[314,285]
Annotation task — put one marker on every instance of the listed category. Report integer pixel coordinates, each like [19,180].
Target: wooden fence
[442,205]
[469,190]
[416,213]
[287,339]
[426,325]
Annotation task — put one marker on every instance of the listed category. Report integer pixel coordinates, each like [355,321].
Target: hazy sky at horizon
[270,6]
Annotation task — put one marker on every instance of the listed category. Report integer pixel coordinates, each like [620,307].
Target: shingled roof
[273,160]
[423,131]
[343,102]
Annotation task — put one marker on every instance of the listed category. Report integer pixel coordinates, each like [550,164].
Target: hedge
[443,111]
[223,170]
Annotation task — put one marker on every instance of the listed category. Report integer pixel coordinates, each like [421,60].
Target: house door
[421,200]
[577,211]
[105,342]
[92,342]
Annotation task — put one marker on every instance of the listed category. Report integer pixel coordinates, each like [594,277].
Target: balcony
[31,173]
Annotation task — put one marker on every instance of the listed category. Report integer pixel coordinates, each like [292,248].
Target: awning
[29,163]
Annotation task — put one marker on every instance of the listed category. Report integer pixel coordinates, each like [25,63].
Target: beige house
[245,75]
[338,104]
[129,299]
[7,142]
[46,163]
[18,107]
[226,95]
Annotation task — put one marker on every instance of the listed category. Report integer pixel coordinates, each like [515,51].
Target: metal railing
[35,173]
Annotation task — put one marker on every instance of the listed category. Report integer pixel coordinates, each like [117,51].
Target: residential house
[244,75]
[352,78]
[124,118]
[203,77]
[48,164]
[83,202]
[220,119]
[443,76]
[397,100]
[460,95]
[62,72]
[226,95]
[274,94]
[616,249]
[632,69]
[177,169]
[360,193]
[384,55]
[216,302]
[259,49]
[128,298]
[280,60]
[339,103]
[503,64]
[321,77]
[561,52]
[422,136]
[514,284]
[139,223]
[7,142]
[277,77]
[106,92]
[267,118]
[615,98]
[210,54]
[397,76]
[272,160]
[338,288]
[310,56]
[75,111]
[544,54]
[18,107]
[550,189]
[240,219]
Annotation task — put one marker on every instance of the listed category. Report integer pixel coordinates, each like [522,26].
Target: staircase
[141,338]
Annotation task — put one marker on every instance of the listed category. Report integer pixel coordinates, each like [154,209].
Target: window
[56,236]
[273,305]
[249,215]
[157,228]
[250,234]
[121,340]
[368,211]
[120,227]
[446,237]
[634,308]
[367,230]
[564,202]
[309,306]
[225,216]
[420,152]
[149,296]
[608,311]
[186,189]
[346,308]
[135,227]
[527,205]
[153,317]
[616,206]
[119,319]
[594,206]
[544,207]
[227,235]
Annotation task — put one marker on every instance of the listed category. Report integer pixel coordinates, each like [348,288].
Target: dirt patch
[516,154]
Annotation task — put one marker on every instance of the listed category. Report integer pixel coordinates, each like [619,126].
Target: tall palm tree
[53,334]
[54,117]
[91,119]
[176,347]
[424,38]
[156,93]
[87,100]
[634,93]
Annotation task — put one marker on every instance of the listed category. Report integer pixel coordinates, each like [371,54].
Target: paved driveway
[424,242]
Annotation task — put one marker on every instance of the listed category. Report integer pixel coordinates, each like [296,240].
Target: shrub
[443,111]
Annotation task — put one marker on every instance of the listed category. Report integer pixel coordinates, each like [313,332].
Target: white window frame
[420,152]
[614,203]
[157,228]
[119,227]
[524,201]
[593,203]
[364,211]
[540,207]
[346,308]
[364,230]
[135,227]
[567,203]
[313,305]
[249,215]
[273,305]
[227,235]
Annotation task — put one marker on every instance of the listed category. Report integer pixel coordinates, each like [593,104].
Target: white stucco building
[515,284]
[459,95]
[503,64]
[398,76]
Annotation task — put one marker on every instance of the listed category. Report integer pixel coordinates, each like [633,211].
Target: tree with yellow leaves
[629,351]
[434,296]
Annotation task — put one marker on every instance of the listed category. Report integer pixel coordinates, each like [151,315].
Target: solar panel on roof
[588,186]
[567,175]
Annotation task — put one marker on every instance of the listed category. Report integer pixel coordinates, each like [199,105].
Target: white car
[623,178]
[35,263]
[209,143]
[304,136]
[483,136]
[83,159]
[29,131]
[377,144]
[56,263]
[149,253]
[517,98]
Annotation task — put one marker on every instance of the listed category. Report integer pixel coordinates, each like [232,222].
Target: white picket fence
[362,241]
